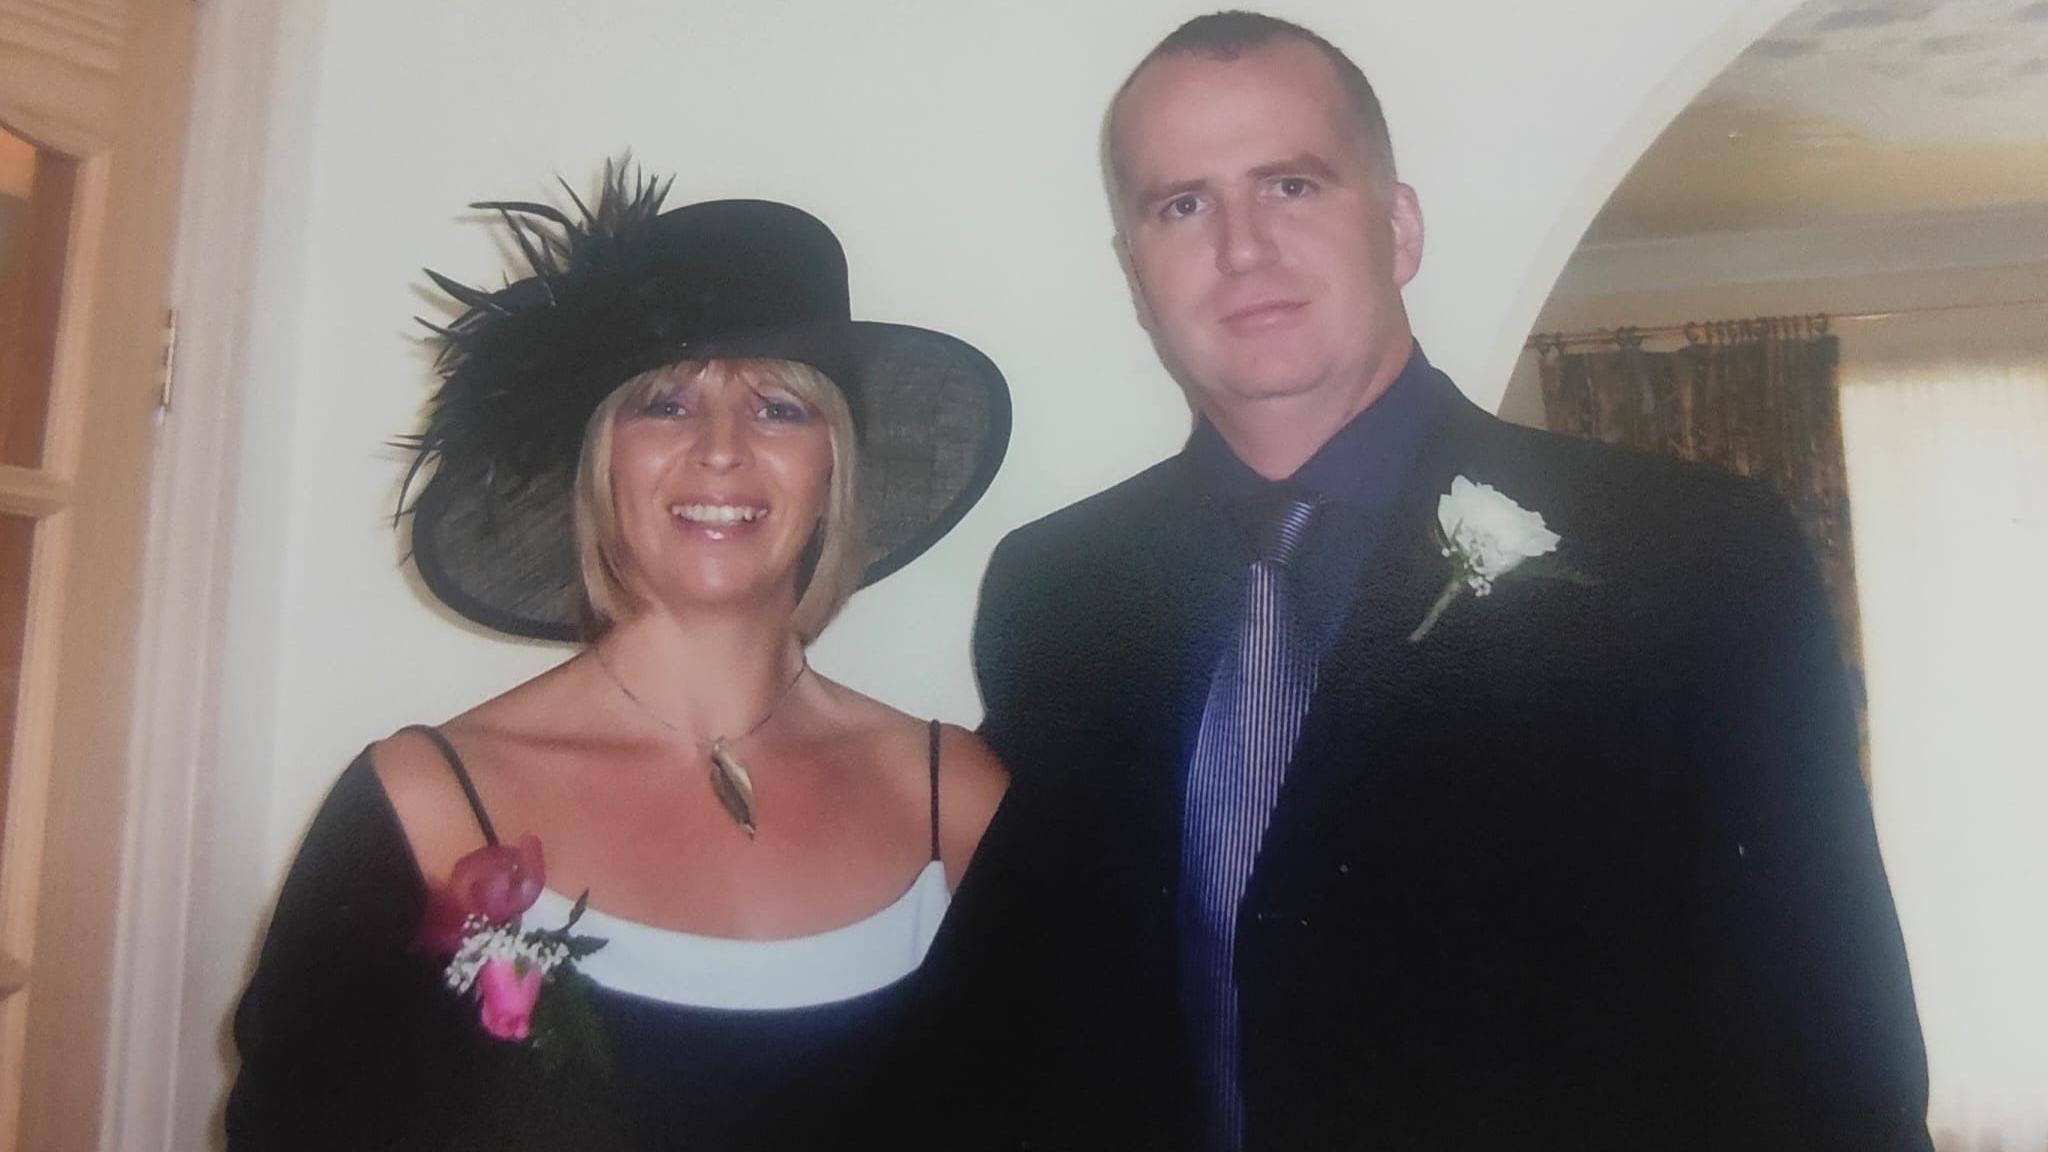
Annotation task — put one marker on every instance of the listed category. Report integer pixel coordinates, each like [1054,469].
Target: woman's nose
[722,444]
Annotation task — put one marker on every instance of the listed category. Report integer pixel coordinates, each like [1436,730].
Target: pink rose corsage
[524,981]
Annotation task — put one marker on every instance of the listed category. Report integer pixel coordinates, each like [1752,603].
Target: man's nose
[1245,240]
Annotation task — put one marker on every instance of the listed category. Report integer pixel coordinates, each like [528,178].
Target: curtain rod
[1710,331]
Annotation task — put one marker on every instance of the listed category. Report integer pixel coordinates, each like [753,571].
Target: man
[1332,829]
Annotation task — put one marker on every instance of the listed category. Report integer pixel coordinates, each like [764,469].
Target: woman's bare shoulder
[511,749]
[971,780]
[423,769]
[427,795]
[971,785]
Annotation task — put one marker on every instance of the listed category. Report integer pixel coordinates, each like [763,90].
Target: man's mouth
[1262,314]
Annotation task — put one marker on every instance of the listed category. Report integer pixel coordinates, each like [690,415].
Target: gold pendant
[733,787]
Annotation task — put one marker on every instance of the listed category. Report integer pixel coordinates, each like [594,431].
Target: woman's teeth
[717,513]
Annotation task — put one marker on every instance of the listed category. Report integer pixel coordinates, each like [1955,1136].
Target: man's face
[1267,251]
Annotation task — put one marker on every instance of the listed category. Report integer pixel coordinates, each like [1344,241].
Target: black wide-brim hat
[629,288]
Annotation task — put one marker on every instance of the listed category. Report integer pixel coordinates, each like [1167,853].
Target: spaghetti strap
[476,802]
[935,788]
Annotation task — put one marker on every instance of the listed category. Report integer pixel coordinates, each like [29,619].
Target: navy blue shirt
[1357,474]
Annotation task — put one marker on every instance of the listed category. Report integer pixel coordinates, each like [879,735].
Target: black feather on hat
[622,288]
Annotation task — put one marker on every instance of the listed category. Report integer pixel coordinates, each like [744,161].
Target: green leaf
[567,1030]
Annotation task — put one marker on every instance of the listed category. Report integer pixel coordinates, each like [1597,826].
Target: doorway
[92,121]
[1869,182]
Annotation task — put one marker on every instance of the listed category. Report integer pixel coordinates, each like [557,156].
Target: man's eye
[1181,206]
[1293,187]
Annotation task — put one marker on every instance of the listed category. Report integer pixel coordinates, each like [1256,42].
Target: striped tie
[1256,699]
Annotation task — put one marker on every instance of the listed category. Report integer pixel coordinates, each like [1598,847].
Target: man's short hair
[1229,35]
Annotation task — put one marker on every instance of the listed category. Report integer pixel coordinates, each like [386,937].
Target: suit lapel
[1179,585]
[1370,672]
[1372,679]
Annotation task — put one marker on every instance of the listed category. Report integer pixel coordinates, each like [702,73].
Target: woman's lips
[718,513]
[718,520]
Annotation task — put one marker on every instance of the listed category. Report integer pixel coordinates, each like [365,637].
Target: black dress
[350,1041]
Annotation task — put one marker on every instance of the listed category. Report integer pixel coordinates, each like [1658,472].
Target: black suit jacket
[1591,866]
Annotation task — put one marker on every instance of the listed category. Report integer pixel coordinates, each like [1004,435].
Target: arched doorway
[1855,215]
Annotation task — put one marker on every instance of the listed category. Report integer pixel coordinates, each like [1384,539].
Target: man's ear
[1404,215]
[1139,303]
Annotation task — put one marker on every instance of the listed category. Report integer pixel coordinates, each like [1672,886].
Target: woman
[762,855]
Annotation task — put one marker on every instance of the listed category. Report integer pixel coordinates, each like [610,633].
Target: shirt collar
[1363,464]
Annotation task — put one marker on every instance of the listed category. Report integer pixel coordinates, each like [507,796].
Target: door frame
[161,938]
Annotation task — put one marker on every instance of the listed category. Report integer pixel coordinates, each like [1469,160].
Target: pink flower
[507,997]
[499,882]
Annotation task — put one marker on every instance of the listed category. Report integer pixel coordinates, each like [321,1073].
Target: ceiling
[1854,109]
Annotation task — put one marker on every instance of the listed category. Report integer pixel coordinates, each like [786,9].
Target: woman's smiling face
[719,477]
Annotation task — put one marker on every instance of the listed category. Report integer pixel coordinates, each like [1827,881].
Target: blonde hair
[836,557]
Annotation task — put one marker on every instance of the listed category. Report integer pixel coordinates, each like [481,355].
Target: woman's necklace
[730,780]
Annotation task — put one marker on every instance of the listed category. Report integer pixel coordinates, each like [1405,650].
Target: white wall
[952,145]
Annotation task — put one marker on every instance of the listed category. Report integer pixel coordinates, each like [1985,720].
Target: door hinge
[170,362]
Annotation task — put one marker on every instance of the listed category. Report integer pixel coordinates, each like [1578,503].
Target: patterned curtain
[1757,397]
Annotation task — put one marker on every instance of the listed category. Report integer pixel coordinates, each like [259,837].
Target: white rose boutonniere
[1485,536]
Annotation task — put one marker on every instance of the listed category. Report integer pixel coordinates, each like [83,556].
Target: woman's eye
[783,411]
[663,409]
